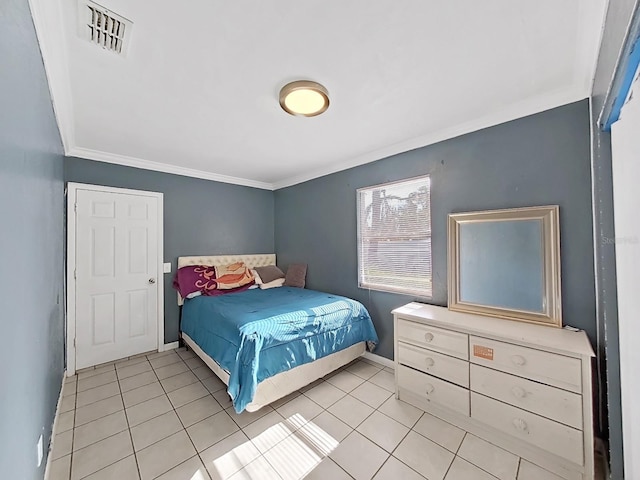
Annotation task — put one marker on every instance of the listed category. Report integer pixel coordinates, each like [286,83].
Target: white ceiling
[197,93]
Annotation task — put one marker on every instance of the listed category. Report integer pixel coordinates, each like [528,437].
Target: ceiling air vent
[103,27]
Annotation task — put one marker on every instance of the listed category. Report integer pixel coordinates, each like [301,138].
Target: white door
[117,278]
[625,137]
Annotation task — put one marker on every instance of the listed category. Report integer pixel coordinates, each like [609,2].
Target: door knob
[152,281]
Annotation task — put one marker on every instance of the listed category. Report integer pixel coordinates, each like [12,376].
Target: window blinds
[394,237]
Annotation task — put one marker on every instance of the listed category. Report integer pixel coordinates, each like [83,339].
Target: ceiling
[197,92]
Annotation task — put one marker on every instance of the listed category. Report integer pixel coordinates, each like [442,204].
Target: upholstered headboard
[252,261]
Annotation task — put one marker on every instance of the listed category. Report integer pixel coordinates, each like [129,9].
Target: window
[394,237]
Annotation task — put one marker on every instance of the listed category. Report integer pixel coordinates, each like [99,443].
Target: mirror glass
[506,264]
[501,264]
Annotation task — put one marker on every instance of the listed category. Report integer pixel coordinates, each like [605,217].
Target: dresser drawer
[554,403]
[442,366]
[438,339]
[434,390]
[550,368]
[563,441]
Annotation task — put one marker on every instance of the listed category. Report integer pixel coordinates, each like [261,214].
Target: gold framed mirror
[506,263]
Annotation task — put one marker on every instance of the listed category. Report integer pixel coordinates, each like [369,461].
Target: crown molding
[513,112]
[163,167]
[591,24]
[47,20]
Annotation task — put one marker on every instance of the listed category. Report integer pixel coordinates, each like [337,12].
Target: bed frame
[284,383]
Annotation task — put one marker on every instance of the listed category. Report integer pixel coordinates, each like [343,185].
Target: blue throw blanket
[259,333]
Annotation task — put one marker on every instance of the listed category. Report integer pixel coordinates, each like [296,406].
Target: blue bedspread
[259,333]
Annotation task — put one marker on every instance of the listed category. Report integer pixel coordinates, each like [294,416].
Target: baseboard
[169,346]
[379,359]
[53,429]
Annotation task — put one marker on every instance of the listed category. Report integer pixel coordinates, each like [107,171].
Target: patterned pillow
[194,278]
[233,276]
[212,281]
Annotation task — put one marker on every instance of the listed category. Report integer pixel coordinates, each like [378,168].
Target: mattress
[282,384]
[257,334]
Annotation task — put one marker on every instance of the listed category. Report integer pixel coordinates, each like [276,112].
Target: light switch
[167,267]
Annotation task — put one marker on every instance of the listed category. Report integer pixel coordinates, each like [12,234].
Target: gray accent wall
[542,159]
[201,217]
[31,248]
[618,20]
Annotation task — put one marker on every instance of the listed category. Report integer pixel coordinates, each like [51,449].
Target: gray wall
[617,22]
[31,248]
[538,160]
[201,217]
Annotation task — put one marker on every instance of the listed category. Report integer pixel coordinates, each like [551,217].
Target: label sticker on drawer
[483,352]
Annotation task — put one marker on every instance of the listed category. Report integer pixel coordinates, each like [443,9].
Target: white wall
[626,198]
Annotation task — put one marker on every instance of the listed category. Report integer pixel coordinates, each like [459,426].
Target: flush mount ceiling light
[304,98]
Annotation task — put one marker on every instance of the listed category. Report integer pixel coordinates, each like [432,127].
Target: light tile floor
[167,416]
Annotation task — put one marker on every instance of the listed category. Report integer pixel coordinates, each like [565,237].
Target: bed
[266,344]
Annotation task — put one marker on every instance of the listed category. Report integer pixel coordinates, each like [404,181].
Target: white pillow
[275,283]
[258,280]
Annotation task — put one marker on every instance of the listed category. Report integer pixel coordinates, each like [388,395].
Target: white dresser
[524,387]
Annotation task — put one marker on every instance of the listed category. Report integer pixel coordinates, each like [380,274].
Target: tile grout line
[391,454]
[330,413]
[99,400]
[496,446]
[126,417]
[184,428]
[323,409]
[411,429]
[143,358]
[105,438]
[240,429]
[455,455]
[110,436]
[73,431]
[153,369]
[176,414]
[296,430]
[173,408]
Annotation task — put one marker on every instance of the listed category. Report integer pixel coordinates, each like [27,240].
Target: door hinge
[74,342]
[75,207]
[75,274]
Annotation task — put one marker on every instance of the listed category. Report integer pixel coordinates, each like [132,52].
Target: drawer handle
[519,392]
[428,337]
[518,360]
[520,425]
[429,361]
[429,389]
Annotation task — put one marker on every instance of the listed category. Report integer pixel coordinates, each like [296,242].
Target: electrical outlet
[39,446]
[167,267]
